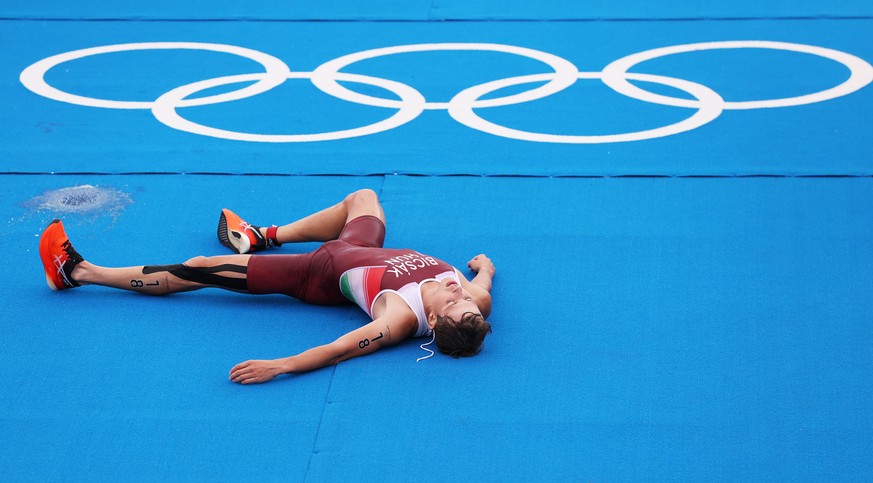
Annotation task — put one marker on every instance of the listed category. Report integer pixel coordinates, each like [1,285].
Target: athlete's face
[451,300]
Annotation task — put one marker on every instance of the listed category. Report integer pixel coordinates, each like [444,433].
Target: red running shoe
[239,236]
[59,258]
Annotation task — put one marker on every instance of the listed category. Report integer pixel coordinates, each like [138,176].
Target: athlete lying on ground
[405,293]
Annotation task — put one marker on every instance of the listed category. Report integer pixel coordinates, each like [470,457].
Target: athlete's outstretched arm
[382,332]
[480,286]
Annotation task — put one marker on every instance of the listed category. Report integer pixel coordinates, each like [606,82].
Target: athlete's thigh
[364,231]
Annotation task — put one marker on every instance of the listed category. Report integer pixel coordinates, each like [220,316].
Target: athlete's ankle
[80,272]
[271,234]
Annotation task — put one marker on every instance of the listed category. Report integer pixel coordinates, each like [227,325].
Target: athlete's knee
[198,262]
[367,194]
[364,196]
[363,202]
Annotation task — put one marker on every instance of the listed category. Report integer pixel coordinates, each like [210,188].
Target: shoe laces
[61,261]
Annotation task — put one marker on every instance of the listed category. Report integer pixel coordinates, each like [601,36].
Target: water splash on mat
[84,200]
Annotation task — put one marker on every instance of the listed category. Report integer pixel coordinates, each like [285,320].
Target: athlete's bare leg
[328,223]
[227,272]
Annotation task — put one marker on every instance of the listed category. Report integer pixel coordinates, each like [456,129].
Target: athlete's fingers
[251,379]
[479,261]
[251,372]
[240,376]
[239,371]
[242,379]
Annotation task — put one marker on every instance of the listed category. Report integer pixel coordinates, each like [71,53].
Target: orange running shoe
[239,236]
[59,258]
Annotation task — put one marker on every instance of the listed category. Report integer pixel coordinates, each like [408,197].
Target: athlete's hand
[480,263]
[253,372]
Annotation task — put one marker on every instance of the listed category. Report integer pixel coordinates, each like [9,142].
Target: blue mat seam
[320,422]
[454,175]
[437,19]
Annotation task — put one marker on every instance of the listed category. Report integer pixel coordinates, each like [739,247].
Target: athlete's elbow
[315,358]
[339,351]
[484,304]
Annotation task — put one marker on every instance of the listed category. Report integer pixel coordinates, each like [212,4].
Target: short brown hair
[461,338]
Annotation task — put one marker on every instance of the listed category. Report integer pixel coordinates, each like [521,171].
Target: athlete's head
[458,325]
[463,337]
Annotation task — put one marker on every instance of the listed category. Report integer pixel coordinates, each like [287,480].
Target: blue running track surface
[678,199]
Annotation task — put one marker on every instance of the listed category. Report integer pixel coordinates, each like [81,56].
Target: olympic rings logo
[706,103]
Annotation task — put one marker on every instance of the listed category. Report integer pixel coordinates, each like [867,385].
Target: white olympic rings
[861,73]
[461,109]
[33,77]
[164,110]
[708,104]
[324,77]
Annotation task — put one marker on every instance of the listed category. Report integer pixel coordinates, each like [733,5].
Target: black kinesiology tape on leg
[204,275]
